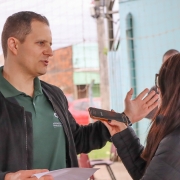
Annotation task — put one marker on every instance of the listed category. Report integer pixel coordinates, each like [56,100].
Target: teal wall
[156,28]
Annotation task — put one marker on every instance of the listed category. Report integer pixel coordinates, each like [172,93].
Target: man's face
[33,54]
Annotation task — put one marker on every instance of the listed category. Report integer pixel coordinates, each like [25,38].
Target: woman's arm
[129,150]
[124,138]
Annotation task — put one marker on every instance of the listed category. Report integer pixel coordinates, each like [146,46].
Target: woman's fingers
[142,94]
[149,96]
[152,106]
[152,100]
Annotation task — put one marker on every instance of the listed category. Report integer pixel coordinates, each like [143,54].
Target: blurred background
[103,48]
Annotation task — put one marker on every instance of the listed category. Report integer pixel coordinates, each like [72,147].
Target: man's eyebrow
[45,41]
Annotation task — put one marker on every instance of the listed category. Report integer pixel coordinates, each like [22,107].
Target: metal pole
[103,65]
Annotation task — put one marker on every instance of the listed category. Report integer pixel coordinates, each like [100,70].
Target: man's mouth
[45,62]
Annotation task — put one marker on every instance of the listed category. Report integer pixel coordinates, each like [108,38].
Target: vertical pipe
[131,55]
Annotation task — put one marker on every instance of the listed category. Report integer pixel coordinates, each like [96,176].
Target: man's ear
[12,44]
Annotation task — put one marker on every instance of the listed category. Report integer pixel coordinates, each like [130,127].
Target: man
[37,132]
[166,55]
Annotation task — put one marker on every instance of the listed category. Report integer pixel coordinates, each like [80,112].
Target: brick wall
[60,70]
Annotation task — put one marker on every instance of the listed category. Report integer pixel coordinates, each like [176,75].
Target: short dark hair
[170,52]
[18,25]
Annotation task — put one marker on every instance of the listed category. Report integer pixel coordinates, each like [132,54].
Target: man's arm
[2,175]
[89,137]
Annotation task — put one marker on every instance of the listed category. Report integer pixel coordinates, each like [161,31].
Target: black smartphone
[105,115]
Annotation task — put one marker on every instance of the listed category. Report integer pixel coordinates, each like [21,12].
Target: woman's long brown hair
[168,115]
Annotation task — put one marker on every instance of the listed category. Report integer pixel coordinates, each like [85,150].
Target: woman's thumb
[129,95]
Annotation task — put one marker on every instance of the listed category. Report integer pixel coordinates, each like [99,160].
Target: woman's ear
[12,44]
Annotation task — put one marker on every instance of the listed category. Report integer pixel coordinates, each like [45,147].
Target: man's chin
[42,73]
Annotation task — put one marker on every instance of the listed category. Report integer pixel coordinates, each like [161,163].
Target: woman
[160,159]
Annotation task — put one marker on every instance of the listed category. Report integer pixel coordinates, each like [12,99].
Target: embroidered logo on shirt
[57,124]
[55,115]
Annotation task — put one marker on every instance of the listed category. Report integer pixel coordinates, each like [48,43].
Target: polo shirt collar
[10,91]
[37,87]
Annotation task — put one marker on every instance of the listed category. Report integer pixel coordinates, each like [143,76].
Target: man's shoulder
[48,86]
[53,92]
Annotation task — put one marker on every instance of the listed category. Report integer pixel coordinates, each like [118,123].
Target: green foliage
[105,51]
[103,153]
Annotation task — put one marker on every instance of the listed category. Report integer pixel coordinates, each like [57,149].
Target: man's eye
[41,43]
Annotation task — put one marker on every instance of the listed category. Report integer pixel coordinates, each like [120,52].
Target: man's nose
[48,51]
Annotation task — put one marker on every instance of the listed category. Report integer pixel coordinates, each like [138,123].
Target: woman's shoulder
[171,142]
[173,136]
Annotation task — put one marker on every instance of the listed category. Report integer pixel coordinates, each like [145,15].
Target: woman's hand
[114,126]
[139,107]
[135,109]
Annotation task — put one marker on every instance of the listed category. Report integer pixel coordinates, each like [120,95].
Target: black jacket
[165,164]
[16,146]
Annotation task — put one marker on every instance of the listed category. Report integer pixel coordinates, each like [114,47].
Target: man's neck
[20,81]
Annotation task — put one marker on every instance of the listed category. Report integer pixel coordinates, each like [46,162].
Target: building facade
[86,70]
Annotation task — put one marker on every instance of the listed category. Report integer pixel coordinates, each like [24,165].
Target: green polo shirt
[49,148]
